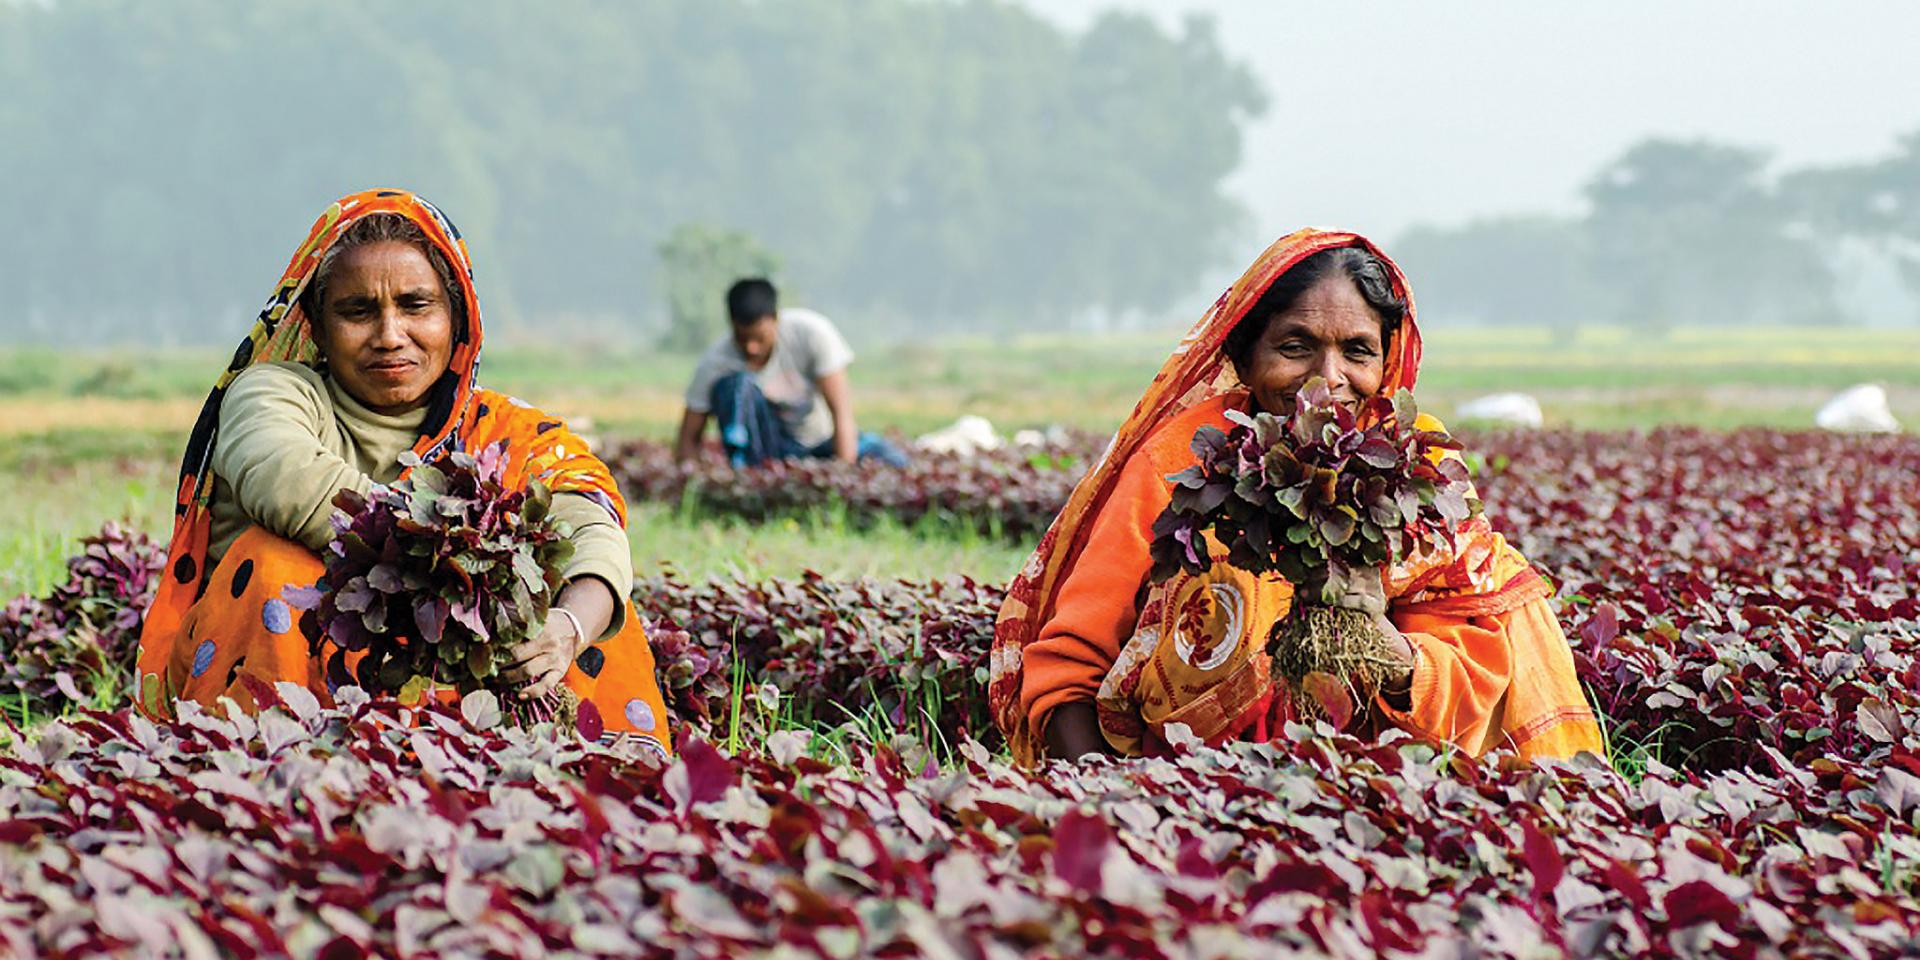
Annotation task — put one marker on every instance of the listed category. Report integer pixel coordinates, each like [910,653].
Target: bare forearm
[582,612]
[590,599]
[839,399]
[686,446]
[846,440]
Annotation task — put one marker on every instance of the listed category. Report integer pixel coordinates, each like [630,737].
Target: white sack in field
[1507,409]
[969,434]
[1861,409]
[1054,436]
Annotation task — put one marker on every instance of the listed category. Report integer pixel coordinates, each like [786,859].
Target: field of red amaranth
[1745,609]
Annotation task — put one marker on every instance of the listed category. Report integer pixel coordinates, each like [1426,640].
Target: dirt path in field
[29,415]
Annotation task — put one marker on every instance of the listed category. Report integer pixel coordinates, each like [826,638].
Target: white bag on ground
[967,435]
[1054,436]
[1861,409]
[1506,409]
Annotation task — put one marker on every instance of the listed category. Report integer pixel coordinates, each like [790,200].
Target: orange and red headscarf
[460,415]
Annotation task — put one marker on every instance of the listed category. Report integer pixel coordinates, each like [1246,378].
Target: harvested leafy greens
[438,577]
[1318,496]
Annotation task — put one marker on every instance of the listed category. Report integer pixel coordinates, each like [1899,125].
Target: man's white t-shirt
[805,348]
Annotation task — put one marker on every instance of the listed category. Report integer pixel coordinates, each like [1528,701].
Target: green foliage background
[1680,232]
[934,163]
[698,263]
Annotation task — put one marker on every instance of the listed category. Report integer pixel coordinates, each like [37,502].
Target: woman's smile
[397,370]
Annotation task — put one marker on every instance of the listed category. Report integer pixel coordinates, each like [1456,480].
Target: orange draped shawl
[1490,650]
[461,416]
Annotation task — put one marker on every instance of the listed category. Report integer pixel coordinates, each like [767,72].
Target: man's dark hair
[750,299]
[1366,271]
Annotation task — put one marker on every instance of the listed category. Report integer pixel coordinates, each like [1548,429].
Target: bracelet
[579,633]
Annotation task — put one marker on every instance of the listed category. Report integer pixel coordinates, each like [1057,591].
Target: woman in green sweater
[366,351]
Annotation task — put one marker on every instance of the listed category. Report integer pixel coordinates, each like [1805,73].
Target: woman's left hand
[541,663]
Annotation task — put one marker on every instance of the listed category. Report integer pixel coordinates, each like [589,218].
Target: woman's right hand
[1368,594]
[1365,593]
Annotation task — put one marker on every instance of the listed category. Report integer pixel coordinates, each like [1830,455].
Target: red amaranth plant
[1724,593]
[828,651]
[360,831]
[54,649]
[1729,589]
[1012,492]
[1317,496]
[438,577]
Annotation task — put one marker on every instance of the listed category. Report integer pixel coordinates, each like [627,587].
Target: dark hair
[386,228]
[750,299]
[1368,274]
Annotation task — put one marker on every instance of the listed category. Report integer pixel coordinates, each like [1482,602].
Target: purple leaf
[1080,844]
[701,775]
[430,618]
[302,598]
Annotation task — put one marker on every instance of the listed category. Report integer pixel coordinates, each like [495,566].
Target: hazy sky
[1384,114]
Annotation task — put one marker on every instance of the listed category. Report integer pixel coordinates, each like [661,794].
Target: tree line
[1683,232]
[933,164]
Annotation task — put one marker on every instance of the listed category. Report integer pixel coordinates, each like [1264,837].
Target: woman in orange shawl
[367,350]
[1088,656]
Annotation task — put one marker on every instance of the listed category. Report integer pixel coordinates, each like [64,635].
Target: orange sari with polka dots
[222,633]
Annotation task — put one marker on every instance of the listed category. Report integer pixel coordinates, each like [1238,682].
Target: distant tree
[698,262]
[1691,232]
[1678,232]
[1508,271]
[934,163]
[1876,201]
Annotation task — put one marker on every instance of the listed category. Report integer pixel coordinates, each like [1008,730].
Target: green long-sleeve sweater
[290,439]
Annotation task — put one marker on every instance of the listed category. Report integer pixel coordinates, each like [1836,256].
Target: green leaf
[479,662]
[430,478]
[1192,478]
[355,597]
[394,673]
[375,616]
[538,504]
[1405,410]
[1293,500]
[531,576]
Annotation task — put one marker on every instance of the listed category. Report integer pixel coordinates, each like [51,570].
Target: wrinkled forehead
[437,240]
[1331,311]
[394,265]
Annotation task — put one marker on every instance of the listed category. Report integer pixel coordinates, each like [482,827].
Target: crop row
[1013,492]
[1729,590]
[1743,607]
[1722,591]
[372,831]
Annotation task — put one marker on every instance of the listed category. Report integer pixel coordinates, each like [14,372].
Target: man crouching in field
[778,387]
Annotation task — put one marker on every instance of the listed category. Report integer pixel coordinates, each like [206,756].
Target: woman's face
[386,327]
[1330,332]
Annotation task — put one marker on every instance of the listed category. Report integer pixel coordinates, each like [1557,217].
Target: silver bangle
[579,632]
